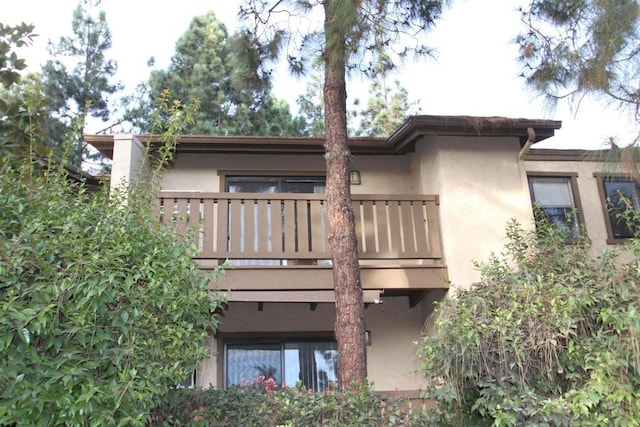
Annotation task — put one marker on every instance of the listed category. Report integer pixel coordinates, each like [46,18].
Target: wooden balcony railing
[294,226]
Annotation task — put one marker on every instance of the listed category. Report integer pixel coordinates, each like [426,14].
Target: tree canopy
[386,109]
[77,83]
[221,71]
[574,48]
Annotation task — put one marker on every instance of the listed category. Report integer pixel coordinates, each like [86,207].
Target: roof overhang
[247,144]
[402,141]
[417,127]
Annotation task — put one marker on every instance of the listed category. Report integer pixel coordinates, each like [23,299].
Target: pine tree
[356,34]
[386,109]
[222,72]
[574,48]
[77,83]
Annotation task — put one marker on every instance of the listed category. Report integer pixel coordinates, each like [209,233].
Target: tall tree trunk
[349,326]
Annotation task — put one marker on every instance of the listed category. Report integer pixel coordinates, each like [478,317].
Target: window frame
[264,338]
[601,179]
[223,174]
[572,178]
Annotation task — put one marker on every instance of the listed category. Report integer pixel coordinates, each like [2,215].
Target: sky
[475,71]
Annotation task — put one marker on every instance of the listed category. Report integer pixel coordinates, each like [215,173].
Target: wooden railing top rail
[277,226]
[293,196]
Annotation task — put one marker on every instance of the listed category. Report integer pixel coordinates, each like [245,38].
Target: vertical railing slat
[383,226]
[419,228]
[289,227]
[315,222]
[249,229]
[369,239]
[277,219]
[395,243]
[433,230]
[236,220]
[302,222]
[263,236]
[222,231]
[208,219]
[408,246]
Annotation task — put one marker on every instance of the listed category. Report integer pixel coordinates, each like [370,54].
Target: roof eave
[248,144]
[415,127]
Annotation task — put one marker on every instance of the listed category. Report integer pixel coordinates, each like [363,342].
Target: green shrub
[102,308]
[291,406]
[550,336]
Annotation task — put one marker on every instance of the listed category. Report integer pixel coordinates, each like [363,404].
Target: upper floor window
[556,198]
[619,194]
[275,184]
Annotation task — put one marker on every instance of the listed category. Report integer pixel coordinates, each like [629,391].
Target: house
[430,199]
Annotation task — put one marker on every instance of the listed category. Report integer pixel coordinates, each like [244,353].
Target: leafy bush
[291,406]
[550,336]
[102,310]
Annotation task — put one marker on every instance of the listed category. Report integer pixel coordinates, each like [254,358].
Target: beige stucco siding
[200,172]
[383,175]
[128,156]
[482,186]
[391,358]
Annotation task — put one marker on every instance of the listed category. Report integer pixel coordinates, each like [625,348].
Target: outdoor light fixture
[367,337]
[354,178]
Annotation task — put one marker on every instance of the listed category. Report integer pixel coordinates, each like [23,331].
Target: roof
[415,127]
[402,141]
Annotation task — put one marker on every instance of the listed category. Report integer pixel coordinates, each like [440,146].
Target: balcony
[278,242]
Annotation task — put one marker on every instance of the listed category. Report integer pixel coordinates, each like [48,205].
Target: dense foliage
[102,309]
[10,63]
[550,336]
[22,104]
[260,405]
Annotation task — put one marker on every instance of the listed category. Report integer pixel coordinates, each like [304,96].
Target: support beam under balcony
[320,278]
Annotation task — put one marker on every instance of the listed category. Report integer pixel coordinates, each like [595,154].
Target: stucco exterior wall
[383,175]
[128,154]
[482,186]
[200,172]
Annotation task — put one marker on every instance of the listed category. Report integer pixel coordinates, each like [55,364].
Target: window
[556,198]
[275,184]
[619,195]
[189,381]
[314,363]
